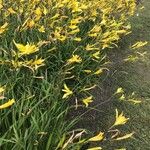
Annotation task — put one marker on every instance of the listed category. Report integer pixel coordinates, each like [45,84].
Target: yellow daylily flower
[73,27]
[98,137]
[30,23]
[138,44]
[120,119]
[75,59]
[67,91]
[38,63]
[87,100]
[99,71]
[45,10]
[58,35]
[94,31]
[75,21]
[78,39]
[119,90]
[26,49]
[17,64]
[55,16]
[91,47]
[3,28]
[87,71]
[142,7]
[38,11]
[96,55]
[7,104]
[42,29]
[93,35]
[11,10]
[122,97]
[2,89]
[131,58]
[74,31]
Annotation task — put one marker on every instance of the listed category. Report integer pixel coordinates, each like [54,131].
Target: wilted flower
[124,137]
[134,101]
[95,148]
[96,55]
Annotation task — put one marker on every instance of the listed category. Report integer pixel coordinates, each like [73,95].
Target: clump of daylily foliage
[52,52]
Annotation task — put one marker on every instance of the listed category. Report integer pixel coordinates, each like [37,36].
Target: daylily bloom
[138,44]
[96,55]
[67,91]
[122,97]
[135,101]
[30,23]
[37,63]
[119,90]
[87,71]
[2,89]
[7,104]
[99,71]
[42,29]
[91,47]
[87,100]
[26,49]
[78,39]
[98,137]
[75,59]
[120,119]
[3,28]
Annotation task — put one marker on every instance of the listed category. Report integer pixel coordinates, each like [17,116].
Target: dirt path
[133,77]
